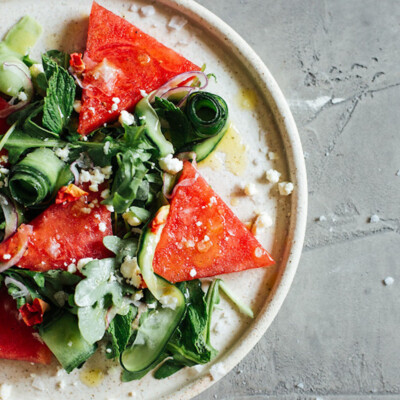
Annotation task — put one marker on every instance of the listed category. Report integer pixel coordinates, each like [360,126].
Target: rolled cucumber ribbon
[35,177]
[207,113]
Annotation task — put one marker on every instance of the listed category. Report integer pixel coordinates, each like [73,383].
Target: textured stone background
[337,334]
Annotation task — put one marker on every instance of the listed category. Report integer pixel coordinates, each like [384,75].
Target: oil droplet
[234,150]
[247,99]
[92,377]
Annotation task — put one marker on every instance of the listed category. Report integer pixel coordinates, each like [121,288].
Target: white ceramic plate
[265,124]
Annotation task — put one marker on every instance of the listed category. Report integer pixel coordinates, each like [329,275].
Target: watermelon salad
[107,226]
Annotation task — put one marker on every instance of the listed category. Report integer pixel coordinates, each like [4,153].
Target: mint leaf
[60,95]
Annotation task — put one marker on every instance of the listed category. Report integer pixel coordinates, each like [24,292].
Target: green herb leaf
[60,95]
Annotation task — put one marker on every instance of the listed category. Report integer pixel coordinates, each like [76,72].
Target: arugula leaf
[60,95]
[168,368]
[61,58]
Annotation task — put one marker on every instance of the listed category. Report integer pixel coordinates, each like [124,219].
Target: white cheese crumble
[71,268]
[199,223]
[193,273]
[134,8]
[147,11]
[22,96]
[177,22]
[131,219]
[4,171]
[5,391]
[322,218]
[105,194]
[217,371]
[102,227]
[114,107]
[62,154]
[250,189]
[131,272]
[388,281]
[143,93]
[374,219]
[82,262]
[7,256]
[96,176]
[262,222]
[126,118]
[116,100]
[273,175]
[285,188]
[170,164]
[77,106]
[168,301]
[110,208]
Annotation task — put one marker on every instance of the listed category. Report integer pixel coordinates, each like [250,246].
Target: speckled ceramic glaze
[264,124]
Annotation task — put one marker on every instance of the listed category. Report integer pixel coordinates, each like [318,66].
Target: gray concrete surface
[337,335]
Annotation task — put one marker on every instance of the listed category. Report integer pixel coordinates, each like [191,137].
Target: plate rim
[297,169]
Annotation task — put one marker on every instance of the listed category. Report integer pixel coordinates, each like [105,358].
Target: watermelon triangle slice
[17,340]
[121,61]
[202,236]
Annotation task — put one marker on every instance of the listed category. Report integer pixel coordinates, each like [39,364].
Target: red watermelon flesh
[203,234]
[121,60]
[17,340]
[60,236]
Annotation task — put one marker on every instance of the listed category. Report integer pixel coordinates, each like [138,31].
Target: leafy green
[121,247]
[168,368]
[60,96]
[95,294]
[120,331]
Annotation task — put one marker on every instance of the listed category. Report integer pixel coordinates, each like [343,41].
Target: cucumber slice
[155,332]
[206,147]
[63,338]
[146,115]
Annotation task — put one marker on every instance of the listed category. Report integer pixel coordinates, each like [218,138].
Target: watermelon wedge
[17,340]
[202,236]
[121,60]
[60,236]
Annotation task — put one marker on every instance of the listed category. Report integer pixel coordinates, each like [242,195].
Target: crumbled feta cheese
[106,147]
[102,227]
[71,268]
[177,22]
[212,201]
[199,223]
[217,371]
[86,210]
[170,164]
[147,11]
[285,188]
[82,262]
[116,100]
[7,256]
[273,175]
[84,176]
[250,189]
[94,187]
[198,367]
[168,301]
[114,107]
[105,194]
[374,219]
[322,218]
[70,343]
[388,281]
[5,391]
[77,106]
[107,171]
[4,158]
[110,208]
[134,8]
[22,96]
[143,93]
[126,118]
[62,154]
[262,222]
[131,272]
[92,109]
[300,385]
[258,252]
[206,238]
[193,273]
[4,171]
[273,156]
[138,295]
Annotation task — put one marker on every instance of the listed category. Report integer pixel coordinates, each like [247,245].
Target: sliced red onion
[180,80]
[5,112]
[110,315]
[14,259]
[75,171]
[24,292]
[10,216]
